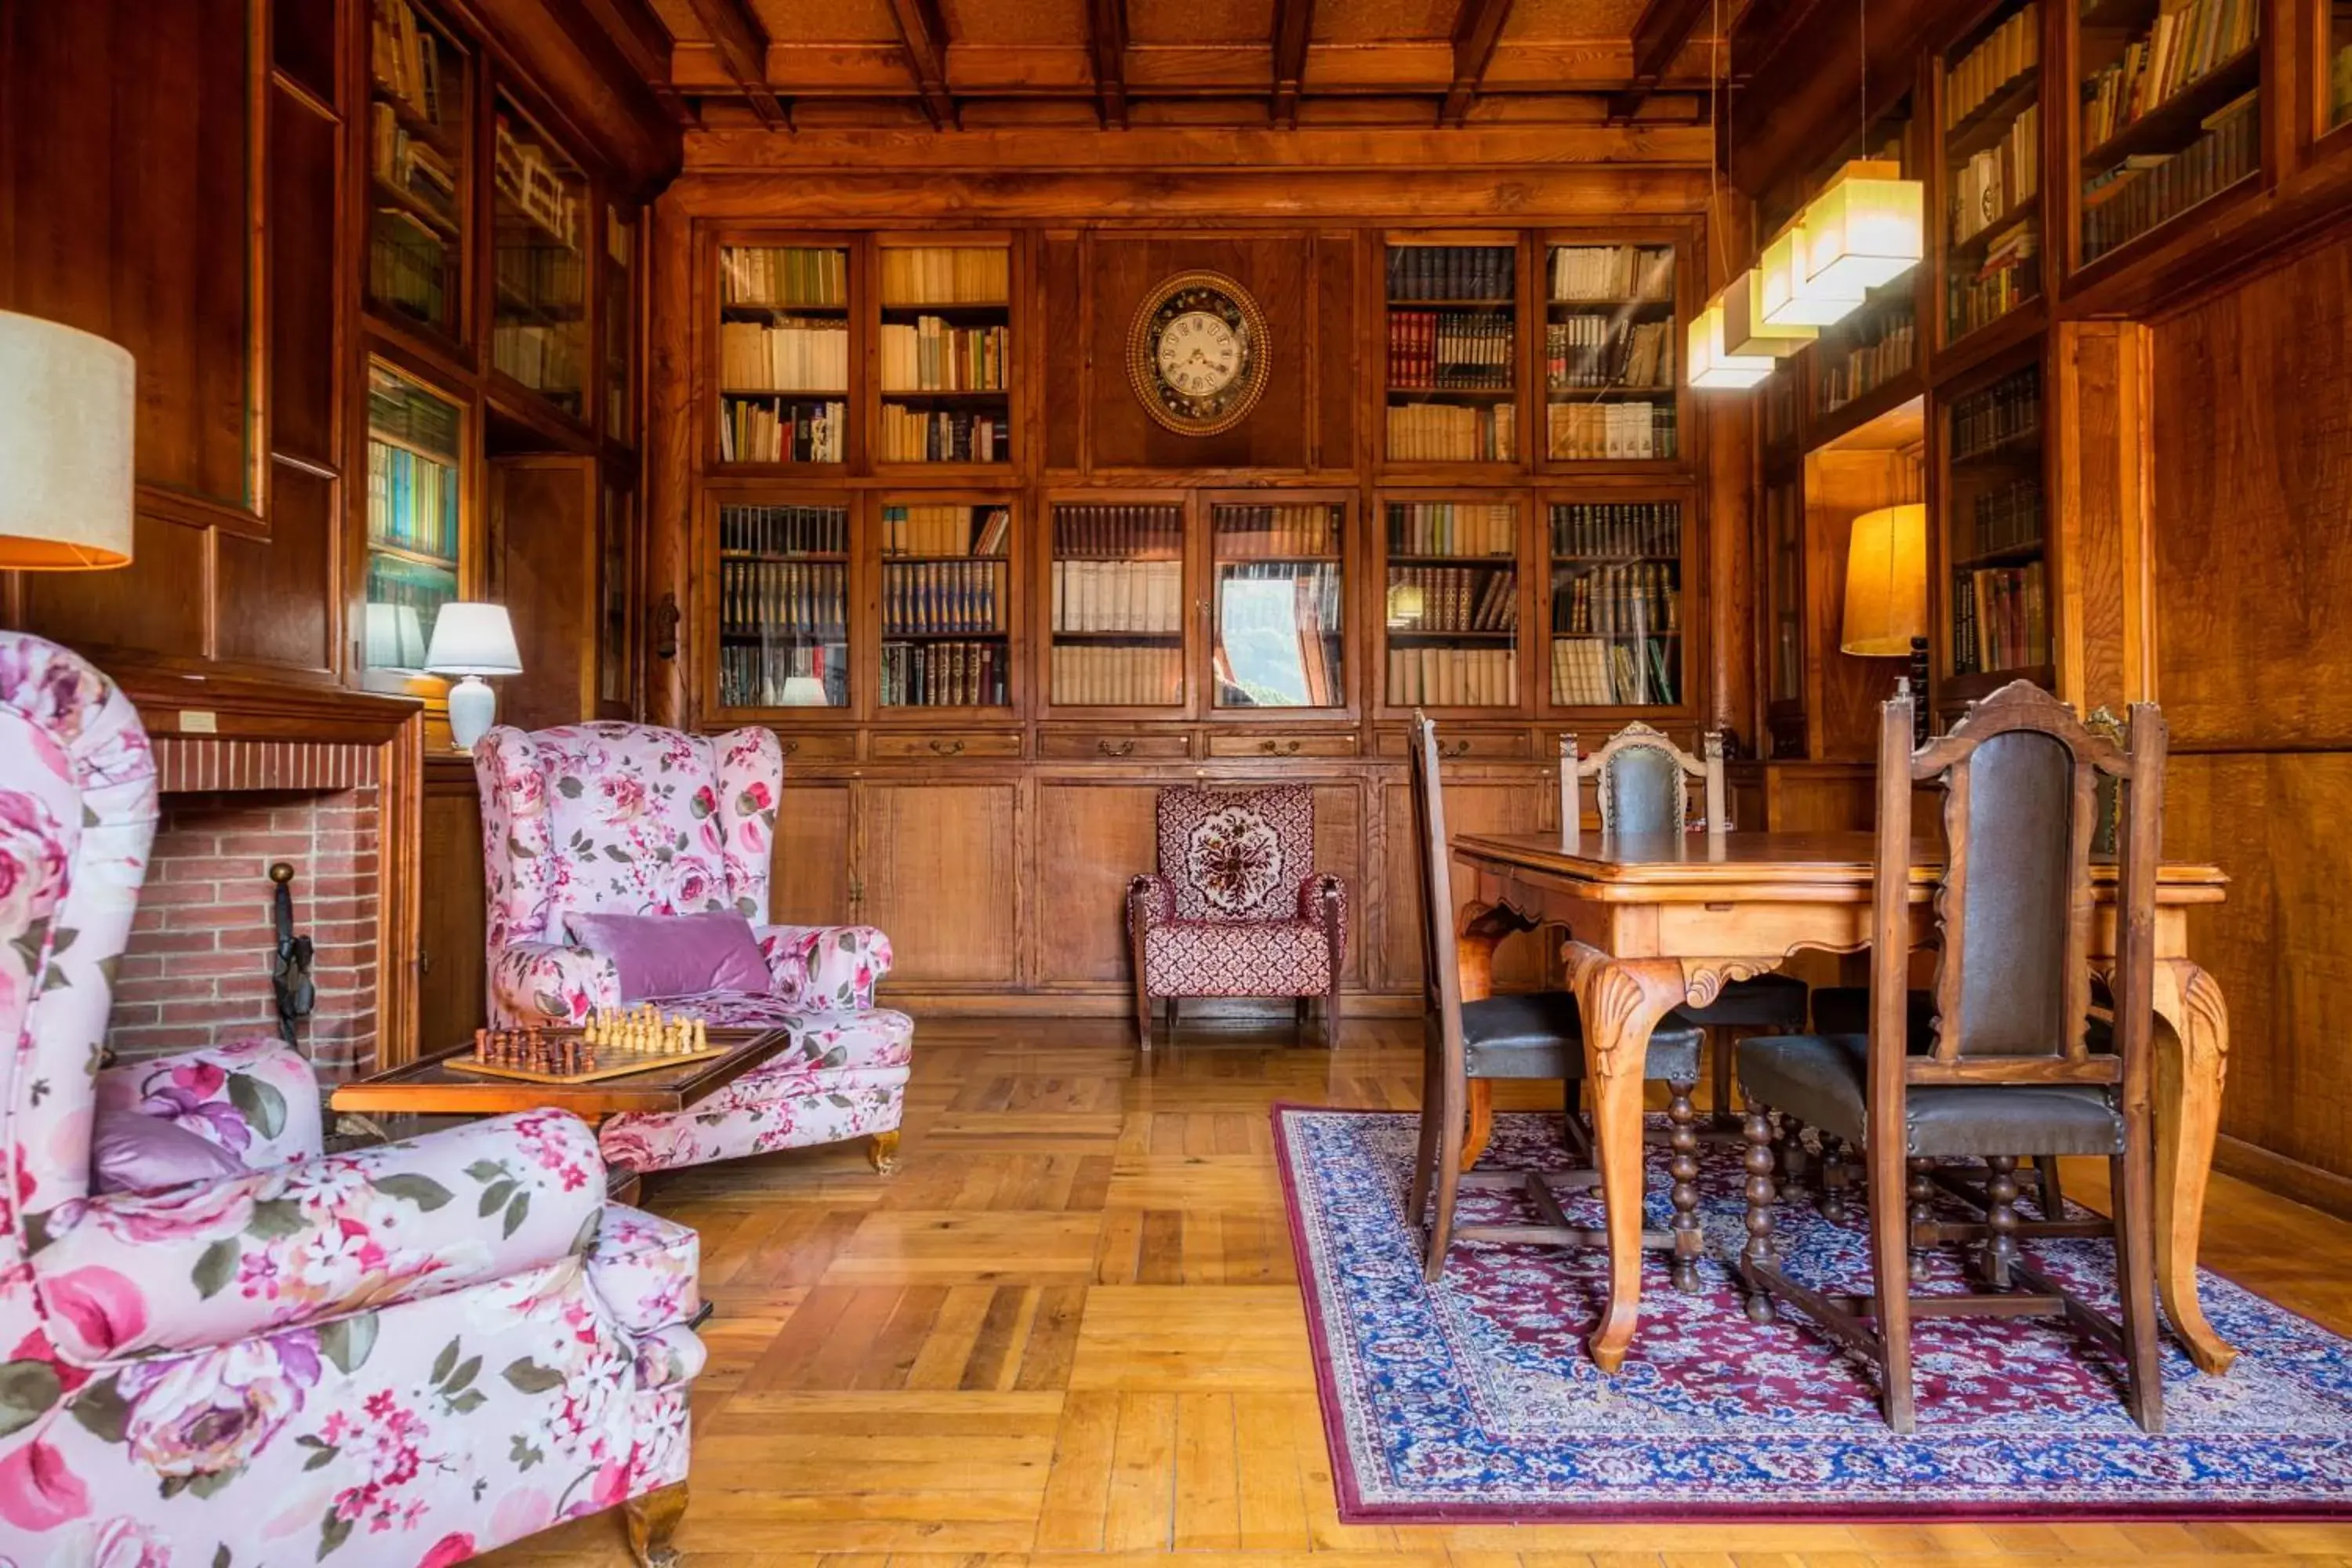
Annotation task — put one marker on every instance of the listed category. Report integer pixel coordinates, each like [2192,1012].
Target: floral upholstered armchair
[628,819]
[1237,909]
[408,1354]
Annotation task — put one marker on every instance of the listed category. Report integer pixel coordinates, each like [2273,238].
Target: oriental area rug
[1474,1399]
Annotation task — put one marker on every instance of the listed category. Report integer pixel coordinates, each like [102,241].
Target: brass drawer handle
[1458,749]
[946,748]
[1279,749]
[1120,749]
[790,746]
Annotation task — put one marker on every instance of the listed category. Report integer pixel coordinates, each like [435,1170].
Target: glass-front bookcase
[539,263]
[1616,603]
[783,353]
[1115,585]
[1451,620]
[1992,168]
[2336,96]
[1452,377]
[2001,597]
[1784,598]
[617,325]
[2170,109]
[1609,346]
[416,518]
[1279,629]
[947,602]
[419,91]
[783,603]
[944,350]
[616,592]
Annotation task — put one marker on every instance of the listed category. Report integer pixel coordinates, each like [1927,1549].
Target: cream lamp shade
[1711,368]
[1866,228]
[1747,334]
[1789,298]
[1885,581]
[804,691]
[67,399]
[473,639]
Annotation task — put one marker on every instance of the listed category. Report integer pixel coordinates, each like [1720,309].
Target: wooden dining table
[1655,921]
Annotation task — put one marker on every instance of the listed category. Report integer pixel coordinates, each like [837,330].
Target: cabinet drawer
[895,745]
[1470,745]
[820,746]
[1114,745]
[1327,744]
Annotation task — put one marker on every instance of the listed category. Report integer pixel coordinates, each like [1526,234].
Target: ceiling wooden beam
[1659,35]
[743,46]
[1294,20]
[923,32]
[1478,27]
[1106,43]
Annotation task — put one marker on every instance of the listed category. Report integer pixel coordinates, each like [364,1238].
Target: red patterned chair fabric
[1237,909]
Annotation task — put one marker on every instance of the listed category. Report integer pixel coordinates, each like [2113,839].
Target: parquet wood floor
[1068,1333]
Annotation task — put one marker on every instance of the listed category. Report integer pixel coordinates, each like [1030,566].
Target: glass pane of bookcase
[1609,352]
[1451,366]
[2000,587]
[783,607]
[945,348]
[2338,98]
[1452,605]
[1279,621]
[783,353]
[1992,163]
[539,310]
[946,605]
[620,322]
[2169,114]
[417,99]
[1784,544]
[1617,604]
[614,590]
[415,527]
[1118,606]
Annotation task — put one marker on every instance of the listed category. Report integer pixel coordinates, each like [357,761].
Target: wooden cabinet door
[809,873]
[939,865]
[1481,805]
[1091,840]
[453,993]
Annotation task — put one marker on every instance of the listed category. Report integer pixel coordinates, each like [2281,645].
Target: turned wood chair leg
[1837,1179]
[1690,1241]
[2051,1197]
[1722,1045]
[1761,1194]
[652,1521]
[882,1149]
[1999,1257]
[1920,1193]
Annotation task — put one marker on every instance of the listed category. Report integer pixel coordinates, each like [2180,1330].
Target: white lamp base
[473,707]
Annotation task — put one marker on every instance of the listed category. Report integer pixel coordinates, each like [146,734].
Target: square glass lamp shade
[1745,329]
[1792,298]
[1712,367]
[1866,228]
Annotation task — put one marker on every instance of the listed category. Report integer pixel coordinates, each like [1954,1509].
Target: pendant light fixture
[1868,224]
[1787,297]
[1712,367]
[1745,329]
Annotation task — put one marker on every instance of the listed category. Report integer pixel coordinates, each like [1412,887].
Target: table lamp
[804,691]
[1886,595]
[472,640]
[67,400]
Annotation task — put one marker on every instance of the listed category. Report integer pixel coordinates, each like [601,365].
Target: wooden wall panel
[159,604]
[281,589]
[542,562]
[1338,366]
[453,926]
[941,874]
[808,873]
[1340,850]
[304,147]
[1091,838]
[2101,467]
[1065,343]
[1520,804]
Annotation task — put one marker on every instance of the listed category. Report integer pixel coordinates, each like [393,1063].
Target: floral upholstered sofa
[404,1355]
[629,819]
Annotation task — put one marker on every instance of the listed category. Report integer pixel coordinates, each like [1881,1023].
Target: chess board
[612,1061]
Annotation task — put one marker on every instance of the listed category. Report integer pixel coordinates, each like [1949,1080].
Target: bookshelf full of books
[1116,592]
[1616,604]
[618,322]
[945,351]
[539,263]
[1992,168]
[1451,604]
[1997,542]
[783,604]
[2171,110]
[2337,67]
[1451,390]
[1784,566]
[1280,624]
[416,521]
[418,94]
[783,353]
[1610,367]
[947,604]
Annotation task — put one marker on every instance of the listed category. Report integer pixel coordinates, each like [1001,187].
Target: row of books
[1142,597]
[2001,618]
[794,354]
[1453,677]
[1452,272]
[408,164]
[404,59]
[1468,351]
[1441,432]
[545,359]
[793,598]
[1641,599]
[400,410]
[1868,366]
[932,355]
[946,275]
[1117,532]
[945,530]
[1262,533]
[945,675]
[409,267]
[1087,675]
[1622,530]
[779,430]
[2007,410]
[1278,636]
[1994,181]
[1589,672]
[1453,528]
[942,436]
[1446,600]
[2009,276]
[2007,53]
[1605,432]
[533,182]
[784,530]
[412,501]
[2339,84]
[2187,39]
[546,278]
[1608,350]
[919,597]
[784,276]
[1611,273]
[2142,192]
[783,675]
[2006,518]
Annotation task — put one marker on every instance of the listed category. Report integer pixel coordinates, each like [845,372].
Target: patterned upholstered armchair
[632,820]
[317,1359]
[1237,909]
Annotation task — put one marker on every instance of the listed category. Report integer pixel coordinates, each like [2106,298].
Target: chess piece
[481,1044]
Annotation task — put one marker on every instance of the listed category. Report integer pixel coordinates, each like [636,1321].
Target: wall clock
[1198,353]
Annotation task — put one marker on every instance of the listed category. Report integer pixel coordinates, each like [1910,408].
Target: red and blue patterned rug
[1474,1399]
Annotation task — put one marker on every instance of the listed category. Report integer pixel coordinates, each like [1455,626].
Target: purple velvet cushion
[676,956]
[130,1152]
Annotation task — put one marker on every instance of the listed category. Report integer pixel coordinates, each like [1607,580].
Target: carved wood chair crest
[1640,778]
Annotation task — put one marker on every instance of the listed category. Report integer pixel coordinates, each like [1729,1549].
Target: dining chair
[1533,1035]
[2009,1070]
[1642,781]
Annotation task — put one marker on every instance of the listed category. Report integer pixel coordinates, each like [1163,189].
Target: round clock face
[1197,354]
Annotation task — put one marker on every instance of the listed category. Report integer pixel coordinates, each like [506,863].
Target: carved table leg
[652,1519]
[882,1149]
[2192,1049]
[1483,926]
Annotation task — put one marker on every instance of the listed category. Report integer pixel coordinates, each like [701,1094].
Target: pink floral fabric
[255,1098]
[826,969]
[1236,908]
[547,982]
